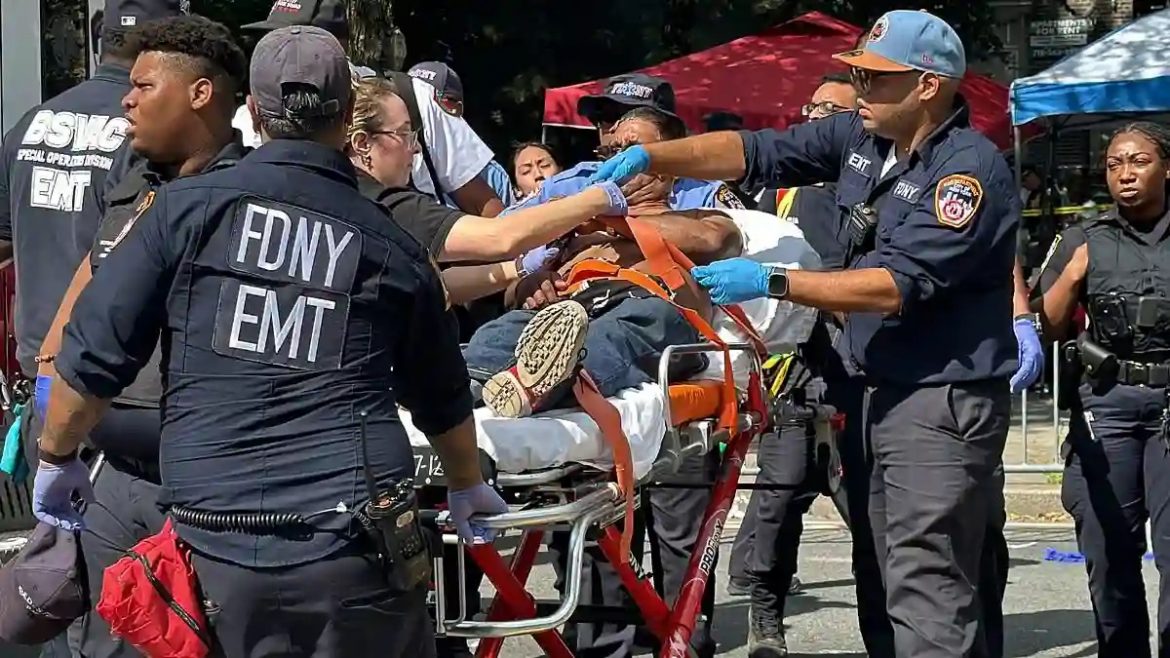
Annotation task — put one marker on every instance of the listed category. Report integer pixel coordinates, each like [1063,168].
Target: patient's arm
[705,236]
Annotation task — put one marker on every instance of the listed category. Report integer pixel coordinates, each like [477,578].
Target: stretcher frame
[598,506]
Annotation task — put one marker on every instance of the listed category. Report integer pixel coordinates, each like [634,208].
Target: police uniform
[289,306]
[127,487]
[945,230]
[1117,464]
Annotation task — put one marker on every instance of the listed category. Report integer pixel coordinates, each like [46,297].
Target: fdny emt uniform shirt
[287,305]
[946,232]
[55,164]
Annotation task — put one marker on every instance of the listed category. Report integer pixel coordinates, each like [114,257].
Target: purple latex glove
[465,503]
[53,490]
[537,259]
[617,200]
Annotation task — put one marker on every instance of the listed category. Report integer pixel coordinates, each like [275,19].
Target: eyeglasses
[408,136]
[824,108]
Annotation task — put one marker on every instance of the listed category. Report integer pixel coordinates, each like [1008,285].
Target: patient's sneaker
[547,354]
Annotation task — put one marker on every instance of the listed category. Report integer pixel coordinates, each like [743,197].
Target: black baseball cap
[329,15]
[302,54]
[630,90]
[132,13]
[43,589]
[723,120]
[440,76]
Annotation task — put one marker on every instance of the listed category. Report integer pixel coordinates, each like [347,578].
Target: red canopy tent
[767,77]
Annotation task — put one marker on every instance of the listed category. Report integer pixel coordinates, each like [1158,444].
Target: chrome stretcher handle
[512,628]
[603,498]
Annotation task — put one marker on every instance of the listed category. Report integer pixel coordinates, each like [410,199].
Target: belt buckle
[1139,374]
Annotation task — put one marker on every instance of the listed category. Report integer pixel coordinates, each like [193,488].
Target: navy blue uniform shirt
[288,303]
[54,166]
[946,232]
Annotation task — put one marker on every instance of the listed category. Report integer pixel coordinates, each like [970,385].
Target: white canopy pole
[20,59]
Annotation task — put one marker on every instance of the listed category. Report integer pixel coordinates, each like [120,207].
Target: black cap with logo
[42,589]
[629,90]
[329,15]
[440,76]
[131,13]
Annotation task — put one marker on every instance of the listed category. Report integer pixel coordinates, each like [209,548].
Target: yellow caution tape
[1065,210]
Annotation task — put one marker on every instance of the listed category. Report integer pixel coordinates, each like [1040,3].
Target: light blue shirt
[498,179]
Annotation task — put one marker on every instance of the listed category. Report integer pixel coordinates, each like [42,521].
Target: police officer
[57,161]
[1117,469]
[764,555]
[296,317]
[186,75]
[929,299]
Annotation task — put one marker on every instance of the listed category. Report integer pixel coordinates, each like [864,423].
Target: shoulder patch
[1051,251]
[725,196]
[143,206]
[957,199]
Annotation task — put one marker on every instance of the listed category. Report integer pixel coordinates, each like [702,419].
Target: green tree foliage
[509,51]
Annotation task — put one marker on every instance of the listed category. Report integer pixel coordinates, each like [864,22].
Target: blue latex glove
[41,394]
[537,259]
[734,280]
[1031,355]
[617,201]
[53,489]
[623,166]
[464,503]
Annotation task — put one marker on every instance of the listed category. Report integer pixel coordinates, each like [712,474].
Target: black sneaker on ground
[765,631]
[795,586]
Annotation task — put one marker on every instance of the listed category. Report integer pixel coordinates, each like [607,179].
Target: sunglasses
[863,79]
[452,105]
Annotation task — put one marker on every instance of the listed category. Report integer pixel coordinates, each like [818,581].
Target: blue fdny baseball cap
[906,40]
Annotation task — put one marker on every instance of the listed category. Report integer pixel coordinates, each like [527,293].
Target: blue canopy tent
[1124,72]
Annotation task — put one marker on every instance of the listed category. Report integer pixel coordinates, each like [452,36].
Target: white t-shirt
[782,324]
[456,151]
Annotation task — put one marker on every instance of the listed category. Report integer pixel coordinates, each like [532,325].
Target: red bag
[151,599]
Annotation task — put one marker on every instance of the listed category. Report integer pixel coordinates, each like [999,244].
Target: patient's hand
[540,289]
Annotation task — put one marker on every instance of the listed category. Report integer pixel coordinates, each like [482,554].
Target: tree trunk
[375,40]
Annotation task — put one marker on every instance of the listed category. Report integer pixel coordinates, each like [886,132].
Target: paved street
[1047,609]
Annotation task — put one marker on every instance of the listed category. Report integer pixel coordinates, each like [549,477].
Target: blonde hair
[367,106]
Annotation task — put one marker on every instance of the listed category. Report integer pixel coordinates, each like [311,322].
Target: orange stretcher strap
[609,421]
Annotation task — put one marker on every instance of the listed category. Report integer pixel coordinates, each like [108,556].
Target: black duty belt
[1134,373]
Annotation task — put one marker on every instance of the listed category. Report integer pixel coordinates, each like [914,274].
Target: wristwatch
[1033,318]
[778,283]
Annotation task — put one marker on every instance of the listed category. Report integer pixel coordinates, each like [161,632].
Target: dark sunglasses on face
[863,79]
[451,105]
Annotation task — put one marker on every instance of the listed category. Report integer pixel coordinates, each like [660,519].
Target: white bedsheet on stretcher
[555,438]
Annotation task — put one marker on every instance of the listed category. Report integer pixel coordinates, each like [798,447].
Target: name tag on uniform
[907,191]
[290,305]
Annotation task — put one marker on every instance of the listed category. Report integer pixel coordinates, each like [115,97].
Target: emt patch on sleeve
[725,197]
[957,199]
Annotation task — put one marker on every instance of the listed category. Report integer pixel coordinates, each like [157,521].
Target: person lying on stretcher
[615,329]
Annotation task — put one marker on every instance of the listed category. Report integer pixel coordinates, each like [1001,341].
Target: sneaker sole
[547,354]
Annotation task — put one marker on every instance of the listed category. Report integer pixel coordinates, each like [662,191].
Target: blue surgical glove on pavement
[464,503]
[734,280]
[617,201]
[41,394]
[537,259]
[53,489]
[623,166]
[1031,354]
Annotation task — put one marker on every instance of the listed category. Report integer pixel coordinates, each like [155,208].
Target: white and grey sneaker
[547,354]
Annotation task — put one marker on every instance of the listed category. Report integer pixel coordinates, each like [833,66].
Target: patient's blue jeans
[622,346]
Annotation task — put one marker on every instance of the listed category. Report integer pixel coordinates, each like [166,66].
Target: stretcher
[555,471]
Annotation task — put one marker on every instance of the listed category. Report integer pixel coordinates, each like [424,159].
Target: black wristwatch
[56,460]
[778,283]
[1033,318]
